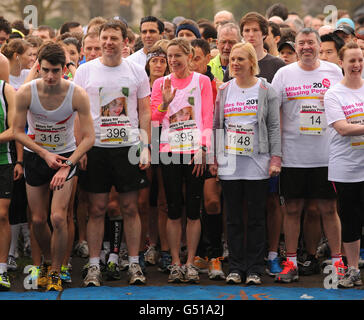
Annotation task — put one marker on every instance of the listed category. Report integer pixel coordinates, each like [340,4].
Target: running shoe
[136,275]
[361,258]
[81,249]
[93,277]
[201,264]
[123,259]
[273,267]
[309,267]
[253,279]
[176,274]
[34,273]
[233,278]
[323,250]
[183,253]
[215,269]
[190,274]
[340,268]
[65,274]
[12,265]
[165,261]
[151,255]
[54,282]
[4,282]
[288,274]
[112,271]
[351,278]
[44,270]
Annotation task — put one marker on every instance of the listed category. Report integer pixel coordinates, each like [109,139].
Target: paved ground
[157,289]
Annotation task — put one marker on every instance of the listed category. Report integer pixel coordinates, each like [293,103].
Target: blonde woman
[248,153]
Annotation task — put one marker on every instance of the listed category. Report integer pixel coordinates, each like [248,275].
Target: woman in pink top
[183,145]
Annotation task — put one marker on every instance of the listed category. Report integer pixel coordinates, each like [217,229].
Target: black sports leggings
[174,176]
[351,209]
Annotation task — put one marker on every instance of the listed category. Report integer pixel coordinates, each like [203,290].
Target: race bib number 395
[183,136]
[239,139]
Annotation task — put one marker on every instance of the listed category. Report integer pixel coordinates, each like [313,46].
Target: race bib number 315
[239,139]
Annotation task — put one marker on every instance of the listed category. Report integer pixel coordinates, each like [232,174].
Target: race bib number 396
[239,139]
[115,130]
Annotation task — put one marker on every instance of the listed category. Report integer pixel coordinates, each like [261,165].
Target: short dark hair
[276,30]
[50,30]
[5,25]
[209,31]
[53,53]
[277,9]
[255,17]
[203,44]
[115,24]
[19,25]
[332,37]
[68,25]
[74,41]
[152,19]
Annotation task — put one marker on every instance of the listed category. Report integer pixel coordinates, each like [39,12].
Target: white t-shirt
[16,82]
[114,94]
[346,157]
[304,135]
[139,57]
[242,159]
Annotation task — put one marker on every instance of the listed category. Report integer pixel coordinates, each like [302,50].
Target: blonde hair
[252,56]
[184,44]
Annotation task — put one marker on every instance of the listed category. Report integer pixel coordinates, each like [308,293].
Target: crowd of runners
[186,145]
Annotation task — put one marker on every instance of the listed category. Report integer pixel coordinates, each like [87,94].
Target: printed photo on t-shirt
[184,114]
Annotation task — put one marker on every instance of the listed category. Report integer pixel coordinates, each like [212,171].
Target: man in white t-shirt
[119,93]
[304,184]
[151,30]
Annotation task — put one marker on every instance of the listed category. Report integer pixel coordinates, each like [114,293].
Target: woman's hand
[168,94]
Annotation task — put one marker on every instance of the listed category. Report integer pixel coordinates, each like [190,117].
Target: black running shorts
[107,167]
[306,183]
[7,180]
[37,172]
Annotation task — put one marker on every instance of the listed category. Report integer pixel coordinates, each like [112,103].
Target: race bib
[51,136]
[239,139]
[183,136]
[357,142]
[312,119]
[115,130]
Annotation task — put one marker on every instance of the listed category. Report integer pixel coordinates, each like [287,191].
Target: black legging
[174,176]
[351,209]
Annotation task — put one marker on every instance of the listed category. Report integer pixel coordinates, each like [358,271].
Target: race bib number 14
[312,120]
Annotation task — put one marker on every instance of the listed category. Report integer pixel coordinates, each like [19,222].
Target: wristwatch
[71,63]
[20,162]
[69,163]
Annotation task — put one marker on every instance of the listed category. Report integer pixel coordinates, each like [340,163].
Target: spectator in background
[316,23]
[95,23]
[208,33]
[277,9]
[330,46]
[5,30]
[325,30]
[221,17]
[44,32]
[273,37]
[295,24]
[151,30]
[276,19]
[188,29]
[169,30]
[345,32]
[287,52]
[71,26]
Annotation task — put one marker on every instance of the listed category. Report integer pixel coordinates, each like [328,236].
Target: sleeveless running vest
[5,154]
[52,129]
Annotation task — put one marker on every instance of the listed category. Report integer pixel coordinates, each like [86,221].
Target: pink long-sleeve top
[194,91]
